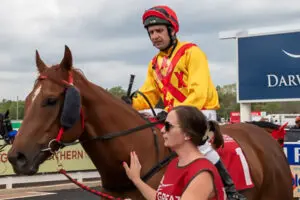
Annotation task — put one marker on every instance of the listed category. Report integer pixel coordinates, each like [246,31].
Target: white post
[9,182]
[245,112]
[79,177]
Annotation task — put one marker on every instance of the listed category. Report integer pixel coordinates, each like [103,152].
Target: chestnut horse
[54,108]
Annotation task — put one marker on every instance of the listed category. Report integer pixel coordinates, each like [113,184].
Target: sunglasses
[169,126]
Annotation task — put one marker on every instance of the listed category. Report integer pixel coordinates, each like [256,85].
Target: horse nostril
[21,159]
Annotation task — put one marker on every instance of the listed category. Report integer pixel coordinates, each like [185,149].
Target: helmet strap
[173,40]
[172,37]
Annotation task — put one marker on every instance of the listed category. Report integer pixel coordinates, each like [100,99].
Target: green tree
[117,91]
[228,103]
[272,107]
[12,107]
[227,99]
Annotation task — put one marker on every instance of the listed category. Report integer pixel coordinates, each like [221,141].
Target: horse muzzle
[23,165]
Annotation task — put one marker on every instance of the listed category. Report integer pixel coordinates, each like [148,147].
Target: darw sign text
[269,67]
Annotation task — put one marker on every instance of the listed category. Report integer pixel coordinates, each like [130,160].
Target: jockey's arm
[149,89]
[198,78]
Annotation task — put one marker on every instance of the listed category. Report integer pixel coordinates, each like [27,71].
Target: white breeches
[206,148]
[210,114]
[209,152]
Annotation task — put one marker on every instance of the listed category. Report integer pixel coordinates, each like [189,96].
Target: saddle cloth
[233,158]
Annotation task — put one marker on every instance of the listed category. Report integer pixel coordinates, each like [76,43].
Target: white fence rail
[9,181]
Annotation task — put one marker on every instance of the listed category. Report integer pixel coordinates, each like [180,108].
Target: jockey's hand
[134,170]
[127,99]
[162,116]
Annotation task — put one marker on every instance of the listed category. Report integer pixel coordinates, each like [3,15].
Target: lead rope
[81,185]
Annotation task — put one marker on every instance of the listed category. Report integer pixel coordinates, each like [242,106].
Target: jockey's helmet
[161,15]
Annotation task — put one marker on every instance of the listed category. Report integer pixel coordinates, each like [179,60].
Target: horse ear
[39,63]
[67,62]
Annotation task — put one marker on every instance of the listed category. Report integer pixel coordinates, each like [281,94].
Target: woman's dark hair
[193,122]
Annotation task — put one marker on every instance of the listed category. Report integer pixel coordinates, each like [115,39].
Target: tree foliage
[117,91]
[228,103]
[12,107]
[227,98]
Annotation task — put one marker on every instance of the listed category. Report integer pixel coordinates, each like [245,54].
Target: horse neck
[105,114]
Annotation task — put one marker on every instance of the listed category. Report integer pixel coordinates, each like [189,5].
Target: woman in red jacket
[190,175]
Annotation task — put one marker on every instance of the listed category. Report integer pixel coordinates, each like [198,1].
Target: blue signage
[292,152]
[269,68]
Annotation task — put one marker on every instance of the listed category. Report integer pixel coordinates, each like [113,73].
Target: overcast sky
[109,43]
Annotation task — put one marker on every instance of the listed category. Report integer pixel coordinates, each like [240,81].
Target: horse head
[52,105]
[64,106]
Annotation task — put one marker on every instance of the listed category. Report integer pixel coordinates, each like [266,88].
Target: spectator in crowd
[297,122]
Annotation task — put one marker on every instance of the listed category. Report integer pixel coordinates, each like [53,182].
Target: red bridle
[64,83]
[61,131]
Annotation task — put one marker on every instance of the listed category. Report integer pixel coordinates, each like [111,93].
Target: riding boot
[231,192]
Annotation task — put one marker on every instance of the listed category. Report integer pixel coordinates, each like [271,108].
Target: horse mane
[264,124]
[80,74]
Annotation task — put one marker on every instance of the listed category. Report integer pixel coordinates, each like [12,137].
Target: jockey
[179,75]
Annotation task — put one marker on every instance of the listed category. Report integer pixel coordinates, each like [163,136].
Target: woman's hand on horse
[134,171]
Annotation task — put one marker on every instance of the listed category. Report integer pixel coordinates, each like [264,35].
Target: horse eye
[50,101]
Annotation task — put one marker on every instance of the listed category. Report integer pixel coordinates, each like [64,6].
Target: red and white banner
[235,116]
